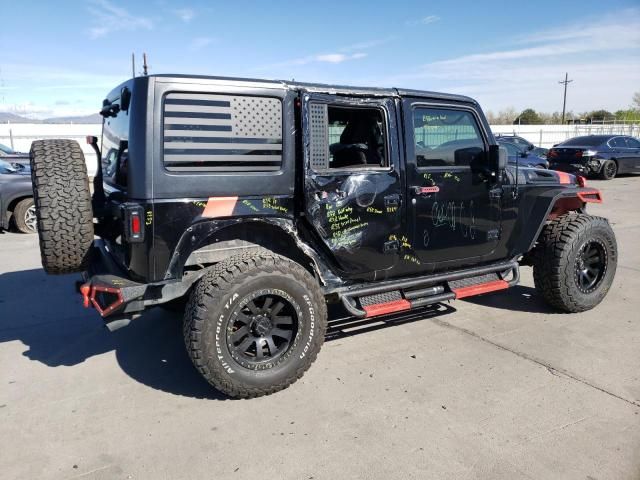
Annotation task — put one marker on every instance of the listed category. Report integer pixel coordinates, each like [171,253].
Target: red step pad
[472,290]
[387,307]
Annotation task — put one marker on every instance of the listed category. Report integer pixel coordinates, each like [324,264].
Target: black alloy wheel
[591,266]
[261,329]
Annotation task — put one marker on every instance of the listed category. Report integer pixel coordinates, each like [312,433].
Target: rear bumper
[117,298]
[583,169]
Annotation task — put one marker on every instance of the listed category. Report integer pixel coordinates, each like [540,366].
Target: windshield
[6,167]
[5,149]
[591,141]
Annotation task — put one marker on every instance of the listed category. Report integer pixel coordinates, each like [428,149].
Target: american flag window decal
[227,133]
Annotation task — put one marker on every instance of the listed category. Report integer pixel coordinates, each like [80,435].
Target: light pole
[564,101]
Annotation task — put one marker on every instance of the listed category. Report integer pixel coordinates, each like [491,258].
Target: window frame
[385,126]
[446,106]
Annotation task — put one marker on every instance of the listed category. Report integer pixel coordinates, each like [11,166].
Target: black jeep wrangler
[253,204]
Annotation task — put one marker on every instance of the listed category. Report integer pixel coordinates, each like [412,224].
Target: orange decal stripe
[565,178]
[219,207]
[481,288]
[387,307]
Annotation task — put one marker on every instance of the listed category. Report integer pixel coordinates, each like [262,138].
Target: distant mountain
[6,117]
[13,118]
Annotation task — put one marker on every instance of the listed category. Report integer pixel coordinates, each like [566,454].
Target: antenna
[133,64]
[145,68]
[565,82]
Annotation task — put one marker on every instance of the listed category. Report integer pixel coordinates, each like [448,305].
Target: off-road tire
[63,205]
[210,314]
[555,261]
[20,215]
[609,170]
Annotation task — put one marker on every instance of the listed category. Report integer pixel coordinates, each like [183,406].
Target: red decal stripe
[590,196]
[565,178]
[387,307]
[219,207]
[481,288]
[435,189]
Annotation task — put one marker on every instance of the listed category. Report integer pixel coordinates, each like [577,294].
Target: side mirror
[524,154]
[530,147]
[497,158]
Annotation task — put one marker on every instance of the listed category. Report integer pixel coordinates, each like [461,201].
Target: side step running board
[403,295]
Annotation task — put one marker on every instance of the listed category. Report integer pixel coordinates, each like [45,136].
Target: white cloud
[605,67]
[366,45]
[424,20]
[109,18]
[201,42]
[185,14]
[336,57]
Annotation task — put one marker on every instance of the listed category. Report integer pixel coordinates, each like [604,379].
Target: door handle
[424,191]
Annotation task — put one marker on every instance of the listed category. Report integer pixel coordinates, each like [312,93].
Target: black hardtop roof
[318,87]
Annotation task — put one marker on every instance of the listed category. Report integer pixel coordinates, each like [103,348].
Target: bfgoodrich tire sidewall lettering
[216,332]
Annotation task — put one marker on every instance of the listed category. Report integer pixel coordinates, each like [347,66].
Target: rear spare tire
[63,205]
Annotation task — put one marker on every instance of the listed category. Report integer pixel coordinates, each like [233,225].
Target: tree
[503,117]
[600,115]
[528,117]
[636,100]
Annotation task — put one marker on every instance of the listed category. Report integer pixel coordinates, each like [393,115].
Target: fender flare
[566,201]
[207,232]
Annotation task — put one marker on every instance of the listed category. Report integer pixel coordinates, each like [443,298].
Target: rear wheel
[254,324]
[575,262]
[24,216]
[609,170]
[63,205]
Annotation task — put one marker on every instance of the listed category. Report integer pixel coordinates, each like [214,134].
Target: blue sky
[60,58]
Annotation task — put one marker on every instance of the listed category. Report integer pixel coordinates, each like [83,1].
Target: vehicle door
[352,179]
[633,146]
[622,154]
[454,206]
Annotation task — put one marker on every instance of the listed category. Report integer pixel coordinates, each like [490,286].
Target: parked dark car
[523,157]
[8,154]
[16,197]
[603,156]
[522,143]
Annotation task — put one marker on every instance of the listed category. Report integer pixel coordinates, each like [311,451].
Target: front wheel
[254,324]
[575,262]
[609,170]
[24,216]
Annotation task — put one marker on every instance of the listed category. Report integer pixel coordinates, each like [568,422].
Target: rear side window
[632,143]
[225,133]
[446,138]
[115,148]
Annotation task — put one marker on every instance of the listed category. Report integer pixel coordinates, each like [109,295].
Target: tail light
[582,182]
[133,222]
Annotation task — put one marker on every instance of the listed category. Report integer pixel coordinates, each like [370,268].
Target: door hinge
[392,246]
[392,200]
[493,234]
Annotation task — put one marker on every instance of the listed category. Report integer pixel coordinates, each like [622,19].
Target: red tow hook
[85,290]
